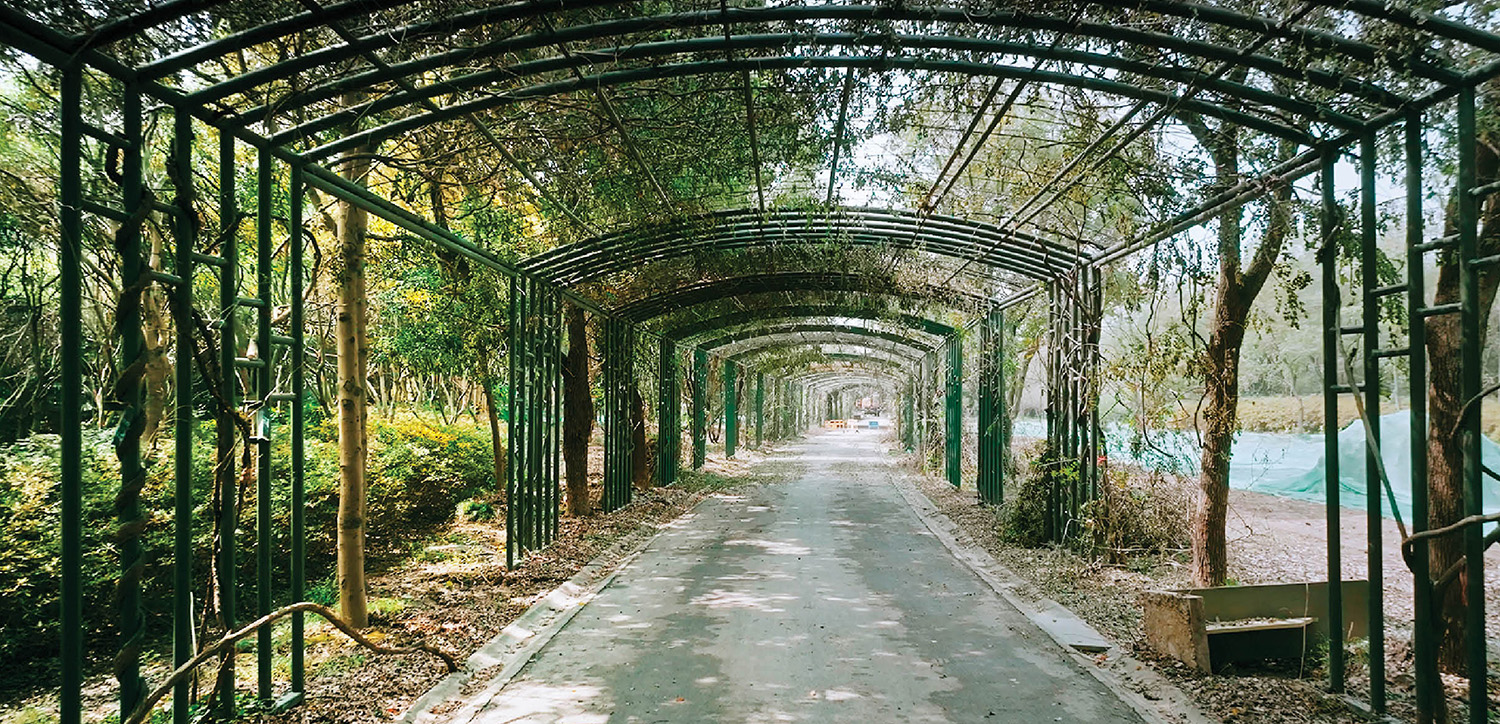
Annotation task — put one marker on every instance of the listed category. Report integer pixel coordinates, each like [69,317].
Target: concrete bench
[1209,628]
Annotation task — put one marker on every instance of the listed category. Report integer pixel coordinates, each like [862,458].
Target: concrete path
[822,599]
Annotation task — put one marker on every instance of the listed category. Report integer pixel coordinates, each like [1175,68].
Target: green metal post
[1470,352]
[1002,444]
[909,416]
[128,436]
[700,411]
[70,329]
[1329,261]
[1370,308]
[1424,643]
[229,390]
[954,400]
[668,417]
[731,409]
[299,424]
[513,406]
[182,477]
[264,221]
[760,408]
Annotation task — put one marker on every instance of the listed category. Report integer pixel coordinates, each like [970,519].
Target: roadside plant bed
[1105,595]
[454,593]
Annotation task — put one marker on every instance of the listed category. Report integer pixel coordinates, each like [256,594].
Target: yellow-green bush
[418,473]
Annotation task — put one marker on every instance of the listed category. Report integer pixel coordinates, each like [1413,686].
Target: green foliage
[418,473]
[1024,517]
[1138,513]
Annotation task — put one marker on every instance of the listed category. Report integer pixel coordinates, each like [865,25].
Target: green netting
[1288,465]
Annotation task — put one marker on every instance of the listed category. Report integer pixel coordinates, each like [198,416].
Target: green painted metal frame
[618,385]
[532,494]
[668,301]
[72,54]
[668,414]
[992,442]
[731,408]
[953,417]
[700,408]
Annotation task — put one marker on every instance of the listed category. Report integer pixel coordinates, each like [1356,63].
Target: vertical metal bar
[535,421]
[700,413]
[954,408]
[263,513]
[299,424]
[668,429]
[1370,309]
[1001,443]
[1470,355]
[731,409]
[1329,261]
[1423,635]
[986,408]
[760,408]
[229,389]
[128,445]
[70,329]
[554,481]
[512,415]
[909,416]
[182,474]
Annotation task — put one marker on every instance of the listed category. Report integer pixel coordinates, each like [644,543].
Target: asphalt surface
[820,599]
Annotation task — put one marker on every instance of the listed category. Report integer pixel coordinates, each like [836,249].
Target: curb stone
[1150,694]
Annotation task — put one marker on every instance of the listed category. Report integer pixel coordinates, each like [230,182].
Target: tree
[353,360]
[578,412]
[1445,405]
[1238,285]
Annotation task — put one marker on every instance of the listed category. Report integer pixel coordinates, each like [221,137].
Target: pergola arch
[666,301]
[705,326]
[1113,49]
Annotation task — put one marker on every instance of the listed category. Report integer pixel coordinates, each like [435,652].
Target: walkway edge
[519,641]
[1152,696]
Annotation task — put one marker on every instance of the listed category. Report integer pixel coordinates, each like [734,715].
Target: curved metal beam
[672,300]
[609,79]
[816,329]
[656,52]
[724,322]
[738,229]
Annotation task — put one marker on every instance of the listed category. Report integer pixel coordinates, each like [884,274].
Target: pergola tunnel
[687,235]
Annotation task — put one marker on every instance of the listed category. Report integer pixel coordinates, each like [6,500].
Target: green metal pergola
[1320,77]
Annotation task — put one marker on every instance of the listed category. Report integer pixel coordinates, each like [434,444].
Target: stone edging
[519,641]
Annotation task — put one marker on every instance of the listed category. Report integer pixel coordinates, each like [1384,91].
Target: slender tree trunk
[497,445]
[1221,420]
[578,413]
[353,352]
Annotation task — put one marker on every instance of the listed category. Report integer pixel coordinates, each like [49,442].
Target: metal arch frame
[1208,15]
[654,52]
[681,333]
[1020,253]
[672,300]
[814,328]
[886,355]
[789,342]
[884,64]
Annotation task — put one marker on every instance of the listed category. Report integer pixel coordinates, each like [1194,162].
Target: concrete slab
[825,599]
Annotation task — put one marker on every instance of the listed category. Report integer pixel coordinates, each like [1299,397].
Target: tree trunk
[497,446]
[353,355]
[639,459]
[1222,388]
[1445,457]
[578,412]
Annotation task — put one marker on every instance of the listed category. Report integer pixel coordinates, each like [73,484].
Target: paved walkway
[824,599]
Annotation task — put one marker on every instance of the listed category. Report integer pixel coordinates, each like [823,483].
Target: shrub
[1139,512]
[1024,516]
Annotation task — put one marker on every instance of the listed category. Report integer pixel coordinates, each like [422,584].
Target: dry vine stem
[229,639]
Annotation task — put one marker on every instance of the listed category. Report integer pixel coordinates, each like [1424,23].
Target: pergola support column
[953,408]
[731,409]
[668,416]
[700,408]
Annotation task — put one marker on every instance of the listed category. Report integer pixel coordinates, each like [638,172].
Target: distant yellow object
[836,423]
